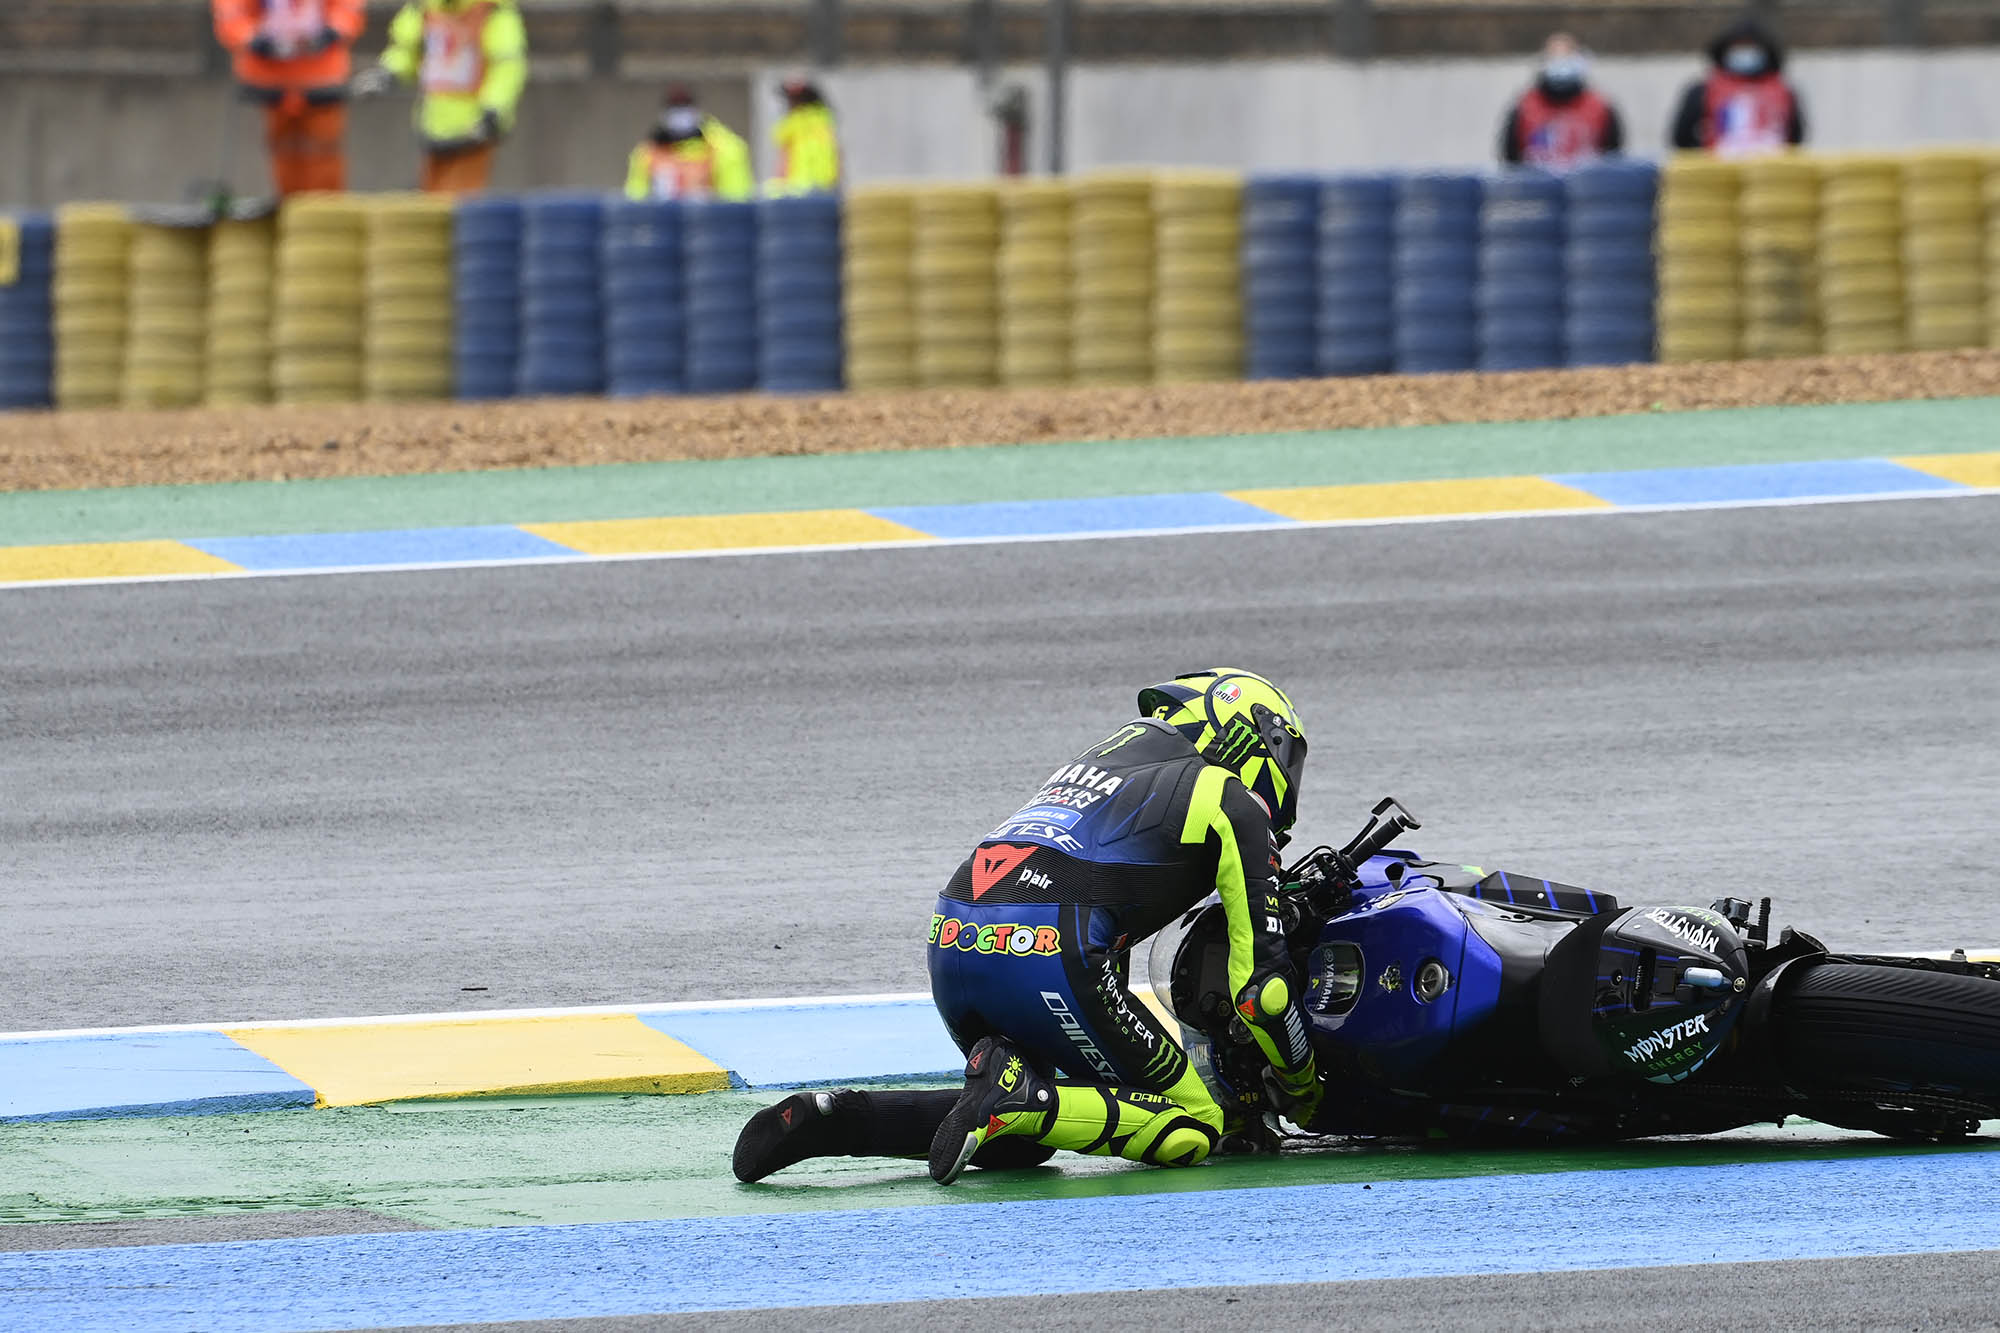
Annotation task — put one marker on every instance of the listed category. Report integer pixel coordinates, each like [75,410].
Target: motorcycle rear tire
[1859,1026]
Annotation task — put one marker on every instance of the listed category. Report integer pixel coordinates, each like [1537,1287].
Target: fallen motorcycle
[1444,998]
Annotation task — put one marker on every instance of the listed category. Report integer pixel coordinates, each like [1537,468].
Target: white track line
[663,1007]
[933,543]
[483,1015]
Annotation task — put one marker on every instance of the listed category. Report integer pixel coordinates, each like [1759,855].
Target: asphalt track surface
[685,779]
[1915,1291]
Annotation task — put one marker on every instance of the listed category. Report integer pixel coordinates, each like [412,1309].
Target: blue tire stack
[719,247]
[1608,262]
[1521,272]
[1437,272]
[27,351]
[645,298]
[562,306]
[1280,277]
[798,294]
[486,296]
[1356,322]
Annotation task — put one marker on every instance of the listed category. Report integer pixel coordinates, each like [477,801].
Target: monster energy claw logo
[1234,745]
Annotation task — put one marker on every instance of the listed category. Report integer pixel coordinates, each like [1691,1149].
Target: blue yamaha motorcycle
[1494,1005]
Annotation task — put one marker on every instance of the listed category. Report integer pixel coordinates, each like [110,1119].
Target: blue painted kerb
[139,1074]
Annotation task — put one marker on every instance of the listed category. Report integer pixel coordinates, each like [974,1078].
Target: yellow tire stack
[406,341]
[1991,195]
[1944,250]
[1700,313]
[92,278]
[1779,209]
[1034,283]
[241,253]
[1198,275]
[957,242]
[878,314]
[1860,254]
[1112,278]
[168,304]
[316,336]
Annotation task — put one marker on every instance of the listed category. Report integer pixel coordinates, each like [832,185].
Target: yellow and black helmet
[1242,722]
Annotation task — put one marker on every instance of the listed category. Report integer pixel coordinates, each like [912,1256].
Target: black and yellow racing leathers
[1030,939]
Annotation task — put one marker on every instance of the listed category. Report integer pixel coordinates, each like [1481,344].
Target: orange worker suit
[301,83]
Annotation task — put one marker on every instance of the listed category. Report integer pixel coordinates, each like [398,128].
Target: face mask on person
[1563,76]
[1745,59]
[677,123]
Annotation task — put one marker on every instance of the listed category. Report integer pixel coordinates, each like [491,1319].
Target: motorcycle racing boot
[856,1123]
[806,1124]
[1004,1094]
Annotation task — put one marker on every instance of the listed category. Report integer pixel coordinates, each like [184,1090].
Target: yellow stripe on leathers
[1965,469]
[723,532]
[362,1063]
[106,560]
[1409,499]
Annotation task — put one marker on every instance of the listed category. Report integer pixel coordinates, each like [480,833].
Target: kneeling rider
[1030,946]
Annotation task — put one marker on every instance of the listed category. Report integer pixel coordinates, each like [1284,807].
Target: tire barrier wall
[1356,309]
[318,324]
[1860,255]
[27,311]
[486,297]
[1035,283]
[1281,218]
[242,254]
[167,301]
[1522,229]
[1608,271]
[562,303]
[1944,250]
[798,294]
[954,283]
[1778,216]
[1436,268]
[1198,277]
[93,249]
[407,330]
[1113,277]
[644,270]
[878,297]
[719,254]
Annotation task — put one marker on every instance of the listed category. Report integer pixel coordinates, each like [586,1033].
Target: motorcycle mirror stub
[1650,993]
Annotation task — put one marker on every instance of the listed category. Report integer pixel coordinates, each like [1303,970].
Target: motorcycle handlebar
[1377,837]
[1390,821]
[1338,869]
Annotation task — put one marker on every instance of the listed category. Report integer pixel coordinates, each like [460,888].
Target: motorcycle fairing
[1388,1026]
[1616,999]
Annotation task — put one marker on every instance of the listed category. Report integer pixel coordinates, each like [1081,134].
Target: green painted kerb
[1005,472]
[597,1159]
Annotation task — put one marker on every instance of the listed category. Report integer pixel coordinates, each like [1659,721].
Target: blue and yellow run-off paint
[1755,483]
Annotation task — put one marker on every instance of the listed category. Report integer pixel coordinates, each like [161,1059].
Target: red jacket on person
[1560,133]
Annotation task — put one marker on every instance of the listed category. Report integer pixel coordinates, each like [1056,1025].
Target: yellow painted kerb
[1965,469]
[723,532]
[106,560]
[1411,499]
[361,1063]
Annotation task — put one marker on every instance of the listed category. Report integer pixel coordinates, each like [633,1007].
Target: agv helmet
[1242,722]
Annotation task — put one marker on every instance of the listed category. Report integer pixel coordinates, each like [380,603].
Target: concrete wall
[1331,115]
[67,137]
[102,136]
